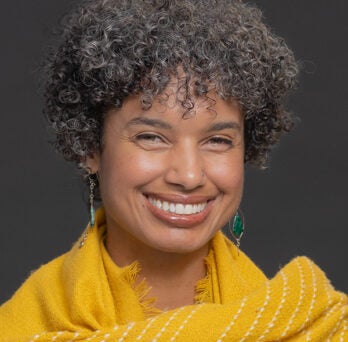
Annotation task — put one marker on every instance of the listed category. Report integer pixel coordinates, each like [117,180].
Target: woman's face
[169,182]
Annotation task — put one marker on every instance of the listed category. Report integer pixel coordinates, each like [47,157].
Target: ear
[92,163]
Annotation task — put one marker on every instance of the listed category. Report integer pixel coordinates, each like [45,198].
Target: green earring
[237,227]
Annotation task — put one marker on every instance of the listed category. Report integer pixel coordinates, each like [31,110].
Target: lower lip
[180,221]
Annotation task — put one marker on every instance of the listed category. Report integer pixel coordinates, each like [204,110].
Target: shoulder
[49,272]
[28,302]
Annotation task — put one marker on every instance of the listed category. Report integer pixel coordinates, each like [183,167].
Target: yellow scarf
[84,296]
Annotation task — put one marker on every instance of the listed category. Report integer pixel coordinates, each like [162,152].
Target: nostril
[185,169]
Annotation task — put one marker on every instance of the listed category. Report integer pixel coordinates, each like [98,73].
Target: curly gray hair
[110,49]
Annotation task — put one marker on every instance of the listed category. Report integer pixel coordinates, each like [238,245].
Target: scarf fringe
[71,299]
[203,286]
[141,290]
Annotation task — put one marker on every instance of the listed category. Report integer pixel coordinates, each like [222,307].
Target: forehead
[175,104]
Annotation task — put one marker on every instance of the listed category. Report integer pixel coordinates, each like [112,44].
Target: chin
[180,245]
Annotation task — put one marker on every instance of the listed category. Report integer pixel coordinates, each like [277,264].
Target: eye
[220,141]
[149,138]
[219,144]
[151,141]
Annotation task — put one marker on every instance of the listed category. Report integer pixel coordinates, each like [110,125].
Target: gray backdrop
[298,206]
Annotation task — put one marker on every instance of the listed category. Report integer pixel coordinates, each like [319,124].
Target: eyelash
[220,140]
[149,137]
[155,138]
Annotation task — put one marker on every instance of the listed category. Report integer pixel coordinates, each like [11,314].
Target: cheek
[227,174]
[144,167]
[129,169]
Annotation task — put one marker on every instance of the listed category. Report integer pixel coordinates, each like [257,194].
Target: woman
[161,103]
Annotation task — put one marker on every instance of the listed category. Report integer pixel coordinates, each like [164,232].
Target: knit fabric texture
[84,296]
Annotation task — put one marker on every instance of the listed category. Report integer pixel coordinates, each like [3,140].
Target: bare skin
[172,278]
[155,159]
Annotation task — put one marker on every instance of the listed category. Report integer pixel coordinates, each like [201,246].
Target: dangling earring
[91,211]
[237,229]
[91,201]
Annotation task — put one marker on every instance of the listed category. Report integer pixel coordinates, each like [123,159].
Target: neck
[171,277]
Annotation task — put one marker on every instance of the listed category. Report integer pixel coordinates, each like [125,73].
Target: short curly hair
[110,49]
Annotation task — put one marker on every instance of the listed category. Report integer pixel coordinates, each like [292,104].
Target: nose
[185,167]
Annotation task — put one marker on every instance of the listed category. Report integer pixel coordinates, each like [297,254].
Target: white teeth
[159,204]
[165,206]
[178,208]
[188,209]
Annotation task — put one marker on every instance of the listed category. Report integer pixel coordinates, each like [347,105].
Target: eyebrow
[149,122]
[219,126]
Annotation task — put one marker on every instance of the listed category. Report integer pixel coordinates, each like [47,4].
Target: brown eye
[220,141]
[149,138]
[151,141]
[218,144]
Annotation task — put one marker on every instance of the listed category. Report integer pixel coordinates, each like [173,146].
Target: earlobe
[92,163]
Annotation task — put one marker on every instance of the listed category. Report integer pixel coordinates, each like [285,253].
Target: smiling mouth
[180,211]
[178,208]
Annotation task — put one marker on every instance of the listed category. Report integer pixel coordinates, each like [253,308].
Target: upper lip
[184,199]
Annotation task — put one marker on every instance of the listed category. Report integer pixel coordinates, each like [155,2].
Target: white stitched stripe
[345,329]
[147,327]
[185,322]
[166,324]
[328,313]
[96,333]
[129,328]
[76,335]
[280,306]
[260,313]
[57,335]
[314,295]
[294,314]
[329,310]
[234,319]
[329,296]
[335,329]
[35,337]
